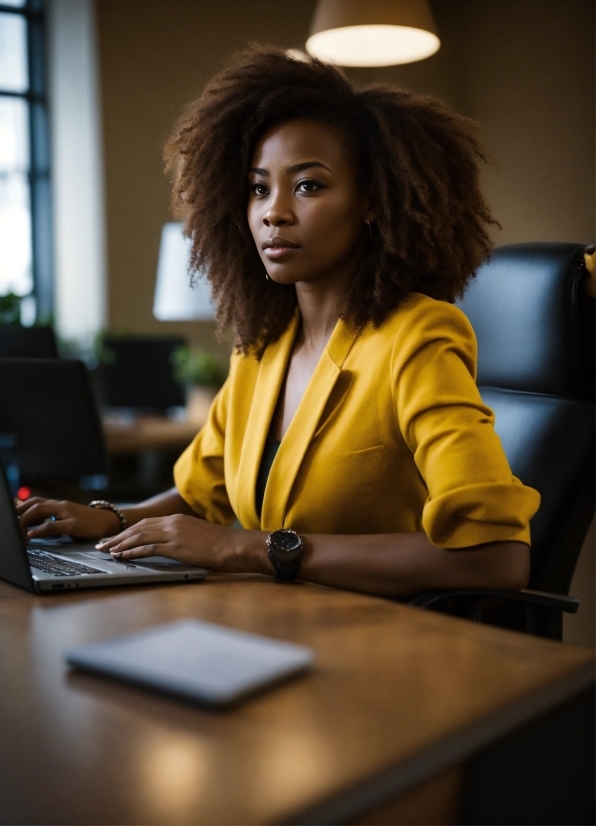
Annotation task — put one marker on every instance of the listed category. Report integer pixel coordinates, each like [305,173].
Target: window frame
[39,173]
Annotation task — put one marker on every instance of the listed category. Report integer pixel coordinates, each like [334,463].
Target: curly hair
[418,158]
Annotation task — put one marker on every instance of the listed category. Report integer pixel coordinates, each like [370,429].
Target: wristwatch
[285,552]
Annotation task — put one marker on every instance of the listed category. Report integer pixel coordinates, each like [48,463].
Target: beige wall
[525,68]
[155,56]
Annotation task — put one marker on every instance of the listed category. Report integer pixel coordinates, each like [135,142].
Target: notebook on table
[196,660]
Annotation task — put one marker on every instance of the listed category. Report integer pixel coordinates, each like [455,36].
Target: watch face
[285,544]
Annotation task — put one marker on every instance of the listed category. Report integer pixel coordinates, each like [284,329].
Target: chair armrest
[559,601]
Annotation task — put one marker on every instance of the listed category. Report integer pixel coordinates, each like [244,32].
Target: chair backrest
[27,342]
[534,320]
[549,442]
[48,405]
[534,323]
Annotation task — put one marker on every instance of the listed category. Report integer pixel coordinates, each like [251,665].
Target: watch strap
[285,570]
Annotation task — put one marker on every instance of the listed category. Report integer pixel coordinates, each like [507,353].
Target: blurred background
[115,76]
[89,91]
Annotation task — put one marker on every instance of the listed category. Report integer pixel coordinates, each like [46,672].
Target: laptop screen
[14,565]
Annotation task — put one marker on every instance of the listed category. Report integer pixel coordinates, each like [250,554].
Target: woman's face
[307,209]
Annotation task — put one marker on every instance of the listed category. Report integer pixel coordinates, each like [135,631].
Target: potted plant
[10,309]
[202,374]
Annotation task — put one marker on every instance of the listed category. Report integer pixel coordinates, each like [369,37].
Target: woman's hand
[53,518]
[192,541]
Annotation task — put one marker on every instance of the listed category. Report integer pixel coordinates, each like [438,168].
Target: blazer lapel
[303,426]
[272,370]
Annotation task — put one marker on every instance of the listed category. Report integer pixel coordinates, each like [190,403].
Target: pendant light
[373,32]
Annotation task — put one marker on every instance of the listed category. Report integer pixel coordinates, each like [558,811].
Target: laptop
[59,564]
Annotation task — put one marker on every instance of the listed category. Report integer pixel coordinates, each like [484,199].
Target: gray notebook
[196,660]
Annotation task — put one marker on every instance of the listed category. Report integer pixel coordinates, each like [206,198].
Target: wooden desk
[148,433]
[397,696]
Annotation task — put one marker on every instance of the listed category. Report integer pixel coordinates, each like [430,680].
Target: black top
[269,454]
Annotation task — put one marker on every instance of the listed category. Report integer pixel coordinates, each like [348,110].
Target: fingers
[110,542]
[177,536]
[46,514]
[138,553]
[36,505]
[133,544]
[51,527]
[22,505]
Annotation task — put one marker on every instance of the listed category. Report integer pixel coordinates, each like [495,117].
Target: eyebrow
[299,167]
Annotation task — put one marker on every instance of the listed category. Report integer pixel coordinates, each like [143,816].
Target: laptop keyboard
[49,564]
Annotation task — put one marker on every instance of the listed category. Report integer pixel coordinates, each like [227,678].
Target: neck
[318,302]
[318,311]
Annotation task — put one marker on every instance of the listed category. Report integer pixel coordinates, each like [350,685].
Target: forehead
[302,140]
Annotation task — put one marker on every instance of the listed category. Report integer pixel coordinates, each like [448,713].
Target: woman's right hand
[52,518]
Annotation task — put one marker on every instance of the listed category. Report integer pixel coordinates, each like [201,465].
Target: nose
[278,212]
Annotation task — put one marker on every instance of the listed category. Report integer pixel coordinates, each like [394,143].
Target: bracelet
[108,506]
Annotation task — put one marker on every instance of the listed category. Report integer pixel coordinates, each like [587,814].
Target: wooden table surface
[148,433]
[396,695]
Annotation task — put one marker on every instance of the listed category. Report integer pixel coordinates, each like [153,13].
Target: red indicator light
[24,493]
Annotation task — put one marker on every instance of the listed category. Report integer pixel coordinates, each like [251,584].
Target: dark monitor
[28,342]
[48,405]
[137,372]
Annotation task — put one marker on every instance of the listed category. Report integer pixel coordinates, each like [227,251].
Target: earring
[267,276]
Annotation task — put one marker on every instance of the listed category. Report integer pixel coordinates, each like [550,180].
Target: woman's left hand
[190,540]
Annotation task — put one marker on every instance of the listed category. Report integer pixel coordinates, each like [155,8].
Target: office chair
[534,322]
[48,407]
[27,342]
[138,373]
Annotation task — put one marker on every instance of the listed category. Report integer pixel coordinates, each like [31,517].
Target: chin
[281,275]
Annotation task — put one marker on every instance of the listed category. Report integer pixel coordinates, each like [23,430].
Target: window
[25,200]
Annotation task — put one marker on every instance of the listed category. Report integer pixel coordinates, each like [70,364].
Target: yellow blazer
[391,435]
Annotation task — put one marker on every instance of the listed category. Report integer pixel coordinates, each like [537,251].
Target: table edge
[390,783]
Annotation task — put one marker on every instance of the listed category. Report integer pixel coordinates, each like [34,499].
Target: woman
[350,440]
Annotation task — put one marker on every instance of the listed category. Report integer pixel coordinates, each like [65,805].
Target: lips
[279,248]
[278,241]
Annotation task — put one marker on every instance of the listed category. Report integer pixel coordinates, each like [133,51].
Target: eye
[259,189]
[309,186]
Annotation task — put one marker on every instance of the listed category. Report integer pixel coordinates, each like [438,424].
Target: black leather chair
[534,322]
[28,342]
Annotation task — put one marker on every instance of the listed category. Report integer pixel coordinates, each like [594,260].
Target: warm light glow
[373,45]
[174,772]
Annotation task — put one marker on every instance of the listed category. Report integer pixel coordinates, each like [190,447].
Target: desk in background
[148,433]
[142,451]
[407,716]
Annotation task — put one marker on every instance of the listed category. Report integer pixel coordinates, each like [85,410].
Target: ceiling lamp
[373,32]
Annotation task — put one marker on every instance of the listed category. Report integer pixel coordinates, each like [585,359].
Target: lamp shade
[373,33]
[175,299]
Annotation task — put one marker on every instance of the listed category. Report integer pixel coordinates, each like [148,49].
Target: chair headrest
[534,320]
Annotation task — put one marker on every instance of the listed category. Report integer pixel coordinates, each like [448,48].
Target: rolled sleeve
[199,473]
[472,495]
